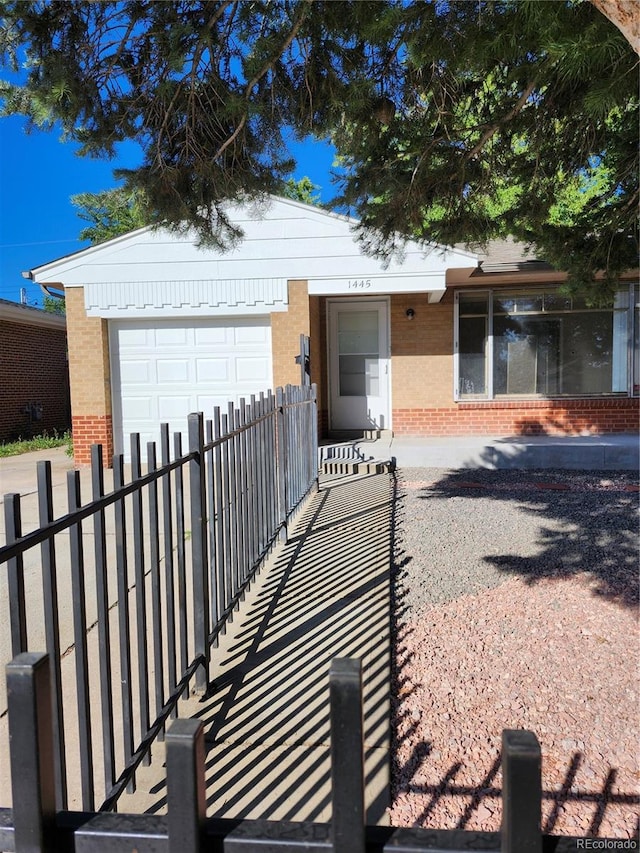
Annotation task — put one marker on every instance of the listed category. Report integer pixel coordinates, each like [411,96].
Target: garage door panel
[135,338]
[213,336]
[250,335]
[139,408]
[207,402]
[173,407]
[136,372]
[213,370]
[250,370]
[165,369]
[172,337]
[172,370]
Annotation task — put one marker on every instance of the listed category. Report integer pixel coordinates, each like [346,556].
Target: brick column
[286,328]
[303,317]
[90,379]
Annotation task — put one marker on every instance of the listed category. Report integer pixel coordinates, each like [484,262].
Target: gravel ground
[516,596]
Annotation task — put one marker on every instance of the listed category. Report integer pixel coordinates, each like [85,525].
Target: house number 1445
[359,283]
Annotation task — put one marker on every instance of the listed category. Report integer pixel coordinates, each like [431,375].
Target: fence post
[281,459]
[104,630]
[15,576]
[52,628]
[31,749]
[347,759]
[313,453]
[197,491]
[76,553]
[186,802]
[521,792]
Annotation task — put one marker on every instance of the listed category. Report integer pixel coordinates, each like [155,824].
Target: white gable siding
[283,241]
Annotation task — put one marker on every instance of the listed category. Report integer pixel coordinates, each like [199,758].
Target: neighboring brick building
[436,343]
[34,375]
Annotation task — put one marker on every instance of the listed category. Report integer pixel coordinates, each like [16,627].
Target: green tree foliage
[52,305]
[111,212]
[303,190]
[121,210]
[455,122]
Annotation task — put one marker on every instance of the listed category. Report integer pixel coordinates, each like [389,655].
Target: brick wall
[306,316]
[286,328]
[533,417]
[421,353]
[33,369]
[318,327]
[90,378]
[88,430]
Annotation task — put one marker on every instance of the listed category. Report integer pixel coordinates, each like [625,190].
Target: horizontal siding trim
[185,298]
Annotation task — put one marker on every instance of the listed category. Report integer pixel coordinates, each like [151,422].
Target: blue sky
[38,174]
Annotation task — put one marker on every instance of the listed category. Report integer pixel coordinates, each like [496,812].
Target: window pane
[372,376]
[504,304]
[472,356]
[359,376]
[517,303]
[588,353]
[358,332]
[529,303]
[556,302]
[352,376]
[619,355]
[526,355]
[472,303]
[563,354]
[547,344]
[636,340]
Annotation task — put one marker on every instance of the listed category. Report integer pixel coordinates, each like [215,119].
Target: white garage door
[162,370]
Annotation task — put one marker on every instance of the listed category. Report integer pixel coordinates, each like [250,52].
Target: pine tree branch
[491,131]
[256,79]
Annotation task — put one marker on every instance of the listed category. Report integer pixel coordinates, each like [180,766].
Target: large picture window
[542,343]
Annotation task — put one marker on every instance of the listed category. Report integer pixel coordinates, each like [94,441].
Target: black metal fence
[129,591]
[37,824]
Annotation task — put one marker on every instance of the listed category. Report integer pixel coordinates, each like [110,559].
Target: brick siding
[88,430]
[421,359]
[90,380]
[33,369]
[534,417]
[286,328]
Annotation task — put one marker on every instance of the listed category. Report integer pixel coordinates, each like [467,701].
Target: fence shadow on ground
[325,595]
[574,520]
[597,799]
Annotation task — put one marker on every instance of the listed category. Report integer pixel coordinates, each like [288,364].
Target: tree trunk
[625,14]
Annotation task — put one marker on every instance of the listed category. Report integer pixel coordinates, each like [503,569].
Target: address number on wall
[359,283]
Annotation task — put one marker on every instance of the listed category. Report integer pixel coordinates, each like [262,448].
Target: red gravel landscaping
[551,654]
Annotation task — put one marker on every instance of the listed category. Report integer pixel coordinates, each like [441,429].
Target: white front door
[359,365]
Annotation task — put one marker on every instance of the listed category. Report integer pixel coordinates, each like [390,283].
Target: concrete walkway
[619,452]
[324,594]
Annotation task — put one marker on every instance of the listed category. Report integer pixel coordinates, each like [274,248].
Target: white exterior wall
[159,273]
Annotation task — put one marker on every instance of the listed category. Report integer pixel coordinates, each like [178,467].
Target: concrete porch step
[346,467]
[356,456]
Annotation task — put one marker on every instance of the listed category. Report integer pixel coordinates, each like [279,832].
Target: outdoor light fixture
[410,313]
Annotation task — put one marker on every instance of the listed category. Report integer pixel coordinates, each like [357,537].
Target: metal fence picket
[236,515]
[35,825]
[31,743]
